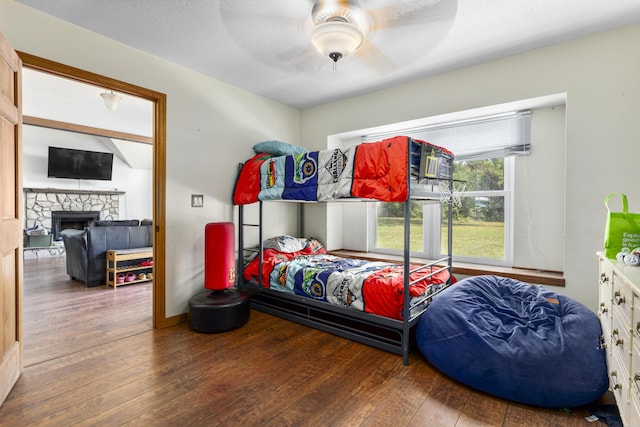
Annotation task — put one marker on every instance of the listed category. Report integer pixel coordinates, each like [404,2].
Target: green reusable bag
[622,229]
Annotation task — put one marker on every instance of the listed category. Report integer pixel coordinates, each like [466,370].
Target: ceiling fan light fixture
[111,100]
[337,39]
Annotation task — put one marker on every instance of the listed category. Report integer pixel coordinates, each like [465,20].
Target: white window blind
[479,138]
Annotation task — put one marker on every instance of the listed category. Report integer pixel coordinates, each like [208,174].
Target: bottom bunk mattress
[303,267]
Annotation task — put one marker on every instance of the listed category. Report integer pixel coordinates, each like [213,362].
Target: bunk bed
[379,307]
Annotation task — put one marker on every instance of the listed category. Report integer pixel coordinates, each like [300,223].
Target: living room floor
[63,316]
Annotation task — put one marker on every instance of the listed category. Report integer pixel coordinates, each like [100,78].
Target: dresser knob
[603,278]
[603,343]
[617,298]
[615,334]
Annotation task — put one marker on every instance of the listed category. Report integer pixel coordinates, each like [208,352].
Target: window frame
[432,220]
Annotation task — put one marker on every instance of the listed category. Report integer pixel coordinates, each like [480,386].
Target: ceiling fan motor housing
[340,28]
[334,38]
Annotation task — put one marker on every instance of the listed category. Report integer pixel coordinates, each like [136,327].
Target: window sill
[541,277]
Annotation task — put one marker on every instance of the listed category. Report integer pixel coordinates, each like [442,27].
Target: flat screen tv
[79,164]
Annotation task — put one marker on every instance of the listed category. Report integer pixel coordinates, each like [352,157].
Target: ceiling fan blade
[273,32]
[413,13]
[379,63]
[306,60]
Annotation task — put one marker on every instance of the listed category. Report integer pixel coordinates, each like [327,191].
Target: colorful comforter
[372,287]
[376,170]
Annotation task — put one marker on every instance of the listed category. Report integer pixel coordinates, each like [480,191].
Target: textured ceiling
[263,46]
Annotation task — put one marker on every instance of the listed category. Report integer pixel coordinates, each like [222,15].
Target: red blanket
[373,287]
[376,170]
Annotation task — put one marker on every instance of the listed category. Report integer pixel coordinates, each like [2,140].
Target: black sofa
[86,249]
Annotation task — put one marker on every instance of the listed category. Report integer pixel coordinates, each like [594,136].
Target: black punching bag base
[219,311]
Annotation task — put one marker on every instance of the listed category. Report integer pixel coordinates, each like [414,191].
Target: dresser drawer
[605,340]
[634,412]
[619,386]
[635,321]
[622,299]
[605,310]
[635,371]
[621,342]
[605,281]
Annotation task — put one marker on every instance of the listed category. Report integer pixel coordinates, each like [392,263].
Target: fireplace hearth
[61,220]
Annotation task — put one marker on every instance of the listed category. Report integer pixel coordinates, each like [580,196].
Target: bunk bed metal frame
[377,331]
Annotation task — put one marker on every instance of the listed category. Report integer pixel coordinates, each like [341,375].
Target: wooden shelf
[132,268]
[119,255]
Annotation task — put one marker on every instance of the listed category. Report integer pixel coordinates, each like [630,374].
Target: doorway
[158,141]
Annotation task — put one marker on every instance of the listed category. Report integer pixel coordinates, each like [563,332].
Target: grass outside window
[480,239]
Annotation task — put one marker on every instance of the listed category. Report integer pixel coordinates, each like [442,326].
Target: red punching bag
[219,256]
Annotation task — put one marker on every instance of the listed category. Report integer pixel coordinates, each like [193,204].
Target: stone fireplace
[79,207]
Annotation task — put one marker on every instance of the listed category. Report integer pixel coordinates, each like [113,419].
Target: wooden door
[11,218]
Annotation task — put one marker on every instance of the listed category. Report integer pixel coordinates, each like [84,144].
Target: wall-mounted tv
[79,164]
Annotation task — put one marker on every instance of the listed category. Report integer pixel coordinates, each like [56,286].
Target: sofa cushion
[101,239]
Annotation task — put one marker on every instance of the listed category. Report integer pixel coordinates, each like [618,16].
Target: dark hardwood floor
[63,317]
[269,372]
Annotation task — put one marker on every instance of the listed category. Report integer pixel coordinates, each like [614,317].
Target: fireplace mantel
[70,191]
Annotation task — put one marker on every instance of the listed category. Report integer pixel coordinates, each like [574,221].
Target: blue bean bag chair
[516,341]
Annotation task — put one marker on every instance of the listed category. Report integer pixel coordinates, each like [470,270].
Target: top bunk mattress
[379,171]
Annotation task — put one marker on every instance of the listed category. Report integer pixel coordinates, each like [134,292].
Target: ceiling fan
[313,35]
[339,27]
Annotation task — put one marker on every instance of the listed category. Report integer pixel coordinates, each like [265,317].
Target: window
[484,170]
[481,227]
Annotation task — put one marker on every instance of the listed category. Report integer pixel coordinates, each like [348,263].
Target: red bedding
[373,287]
[375,170]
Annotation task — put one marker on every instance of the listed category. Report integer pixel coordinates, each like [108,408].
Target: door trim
[159,101]
[11,222]
[87,130]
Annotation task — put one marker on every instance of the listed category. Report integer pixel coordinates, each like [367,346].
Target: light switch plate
[197,200]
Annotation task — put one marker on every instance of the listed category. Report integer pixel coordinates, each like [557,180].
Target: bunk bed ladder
[406,314]
[241,249]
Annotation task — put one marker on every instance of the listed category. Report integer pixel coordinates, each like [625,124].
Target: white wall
[599,74]
[211,127]
[538,230]
[137,184]
[540,194]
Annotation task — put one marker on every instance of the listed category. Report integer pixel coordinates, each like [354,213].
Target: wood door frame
[11,221]
[159,101]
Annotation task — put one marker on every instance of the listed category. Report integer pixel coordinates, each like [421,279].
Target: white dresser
[619,313]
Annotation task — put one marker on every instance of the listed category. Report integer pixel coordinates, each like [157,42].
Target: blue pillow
[278,148]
